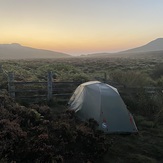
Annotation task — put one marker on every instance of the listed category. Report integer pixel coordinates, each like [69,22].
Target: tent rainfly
[104,104]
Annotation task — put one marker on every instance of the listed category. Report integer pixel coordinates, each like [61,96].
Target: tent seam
[100,104]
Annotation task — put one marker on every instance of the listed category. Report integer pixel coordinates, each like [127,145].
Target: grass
[90,68]
[146,146]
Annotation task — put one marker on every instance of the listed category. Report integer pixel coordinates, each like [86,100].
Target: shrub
[158,71]
[131,78]
[160,81]
[34,135]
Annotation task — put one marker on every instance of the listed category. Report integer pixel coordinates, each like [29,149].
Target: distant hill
[98,54]
[17,51]
[148,54]
[152,49]
[155,45]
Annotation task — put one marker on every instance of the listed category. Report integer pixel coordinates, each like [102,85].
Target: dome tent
[104,104]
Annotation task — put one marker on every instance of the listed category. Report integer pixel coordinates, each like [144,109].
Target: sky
[81,26]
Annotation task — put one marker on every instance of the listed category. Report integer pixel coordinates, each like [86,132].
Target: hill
[150,54]
[153,49]
[155,45]
[17,51]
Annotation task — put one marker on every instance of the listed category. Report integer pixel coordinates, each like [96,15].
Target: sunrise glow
[80,27]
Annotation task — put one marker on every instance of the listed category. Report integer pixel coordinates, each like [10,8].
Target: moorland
[49,133]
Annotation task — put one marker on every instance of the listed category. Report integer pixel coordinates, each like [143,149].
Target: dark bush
[158,71]
[34,135]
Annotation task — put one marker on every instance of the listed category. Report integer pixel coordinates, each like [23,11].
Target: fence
[40,90]
[59,90]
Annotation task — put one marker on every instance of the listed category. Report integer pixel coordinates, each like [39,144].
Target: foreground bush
[34,135]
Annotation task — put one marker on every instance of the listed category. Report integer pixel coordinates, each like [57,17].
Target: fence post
[105,77]
[1,69]
[11,86]
[50,85]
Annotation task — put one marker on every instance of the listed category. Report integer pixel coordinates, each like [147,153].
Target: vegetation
[148,71]
[51,134]
[34,134]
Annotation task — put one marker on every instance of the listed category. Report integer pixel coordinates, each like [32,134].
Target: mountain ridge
[17,51]
[155,47]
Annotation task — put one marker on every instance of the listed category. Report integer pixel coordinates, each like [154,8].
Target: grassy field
[147,145]
[83,68]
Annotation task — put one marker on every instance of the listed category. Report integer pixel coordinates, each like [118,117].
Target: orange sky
[80,27]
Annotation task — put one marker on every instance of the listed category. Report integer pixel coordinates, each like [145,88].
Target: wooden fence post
[1,69]
[11,86]
[50,85]
[105,77]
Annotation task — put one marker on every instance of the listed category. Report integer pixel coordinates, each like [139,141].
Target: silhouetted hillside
[17,51]
[150,50]
[155,45]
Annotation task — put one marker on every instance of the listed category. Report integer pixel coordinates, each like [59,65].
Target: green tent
[103,103]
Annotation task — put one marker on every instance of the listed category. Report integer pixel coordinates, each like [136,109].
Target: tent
[104,104]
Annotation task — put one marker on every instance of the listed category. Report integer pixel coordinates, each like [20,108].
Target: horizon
[81,27]
[18,44]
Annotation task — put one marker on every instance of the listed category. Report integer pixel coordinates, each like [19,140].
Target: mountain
[145,55]
[98,54]
[155,45]
[148,54]
[152,49]
[17,51]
